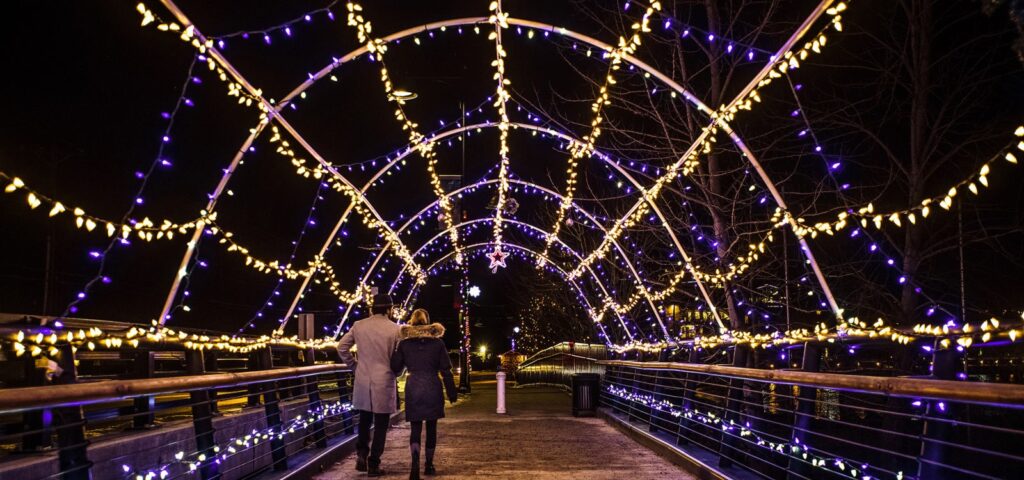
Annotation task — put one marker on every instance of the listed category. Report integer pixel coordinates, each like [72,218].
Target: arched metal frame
[597,280]
[274,114]
[546,190]
[527,251]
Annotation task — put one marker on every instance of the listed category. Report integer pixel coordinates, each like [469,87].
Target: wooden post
[210,365]
[144,367]
[202,415]
[254,389]
[71,442]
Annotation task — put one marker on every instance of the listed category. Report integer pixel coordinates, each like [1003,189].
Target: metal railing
[557,364]
[218,425]
[783,424]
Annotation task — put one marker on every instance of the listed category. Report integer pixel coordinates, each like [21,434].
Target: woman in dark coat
[423,353]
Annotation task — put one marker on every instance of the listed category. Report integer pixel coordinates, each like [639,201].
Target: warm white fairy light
[499,19]
[320,173]
[787,62]
[579,150]
[866,215]
[424,146]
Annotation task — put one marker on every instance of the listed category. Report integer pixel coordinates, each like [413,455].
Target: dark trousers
[380,423]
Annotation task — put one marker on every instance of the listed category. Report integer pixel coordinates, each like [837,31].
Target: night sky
[85,87]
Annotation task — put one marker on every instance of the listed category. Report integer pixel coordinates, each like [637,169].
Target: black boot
[428,468]
[360,462]
[414,469]
[375,471]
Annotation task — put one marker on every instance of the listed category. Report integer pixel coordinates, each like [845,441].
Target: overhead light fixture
[402,95]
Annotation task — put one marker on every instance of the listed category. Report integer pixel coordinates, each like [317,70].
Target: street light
[403,95]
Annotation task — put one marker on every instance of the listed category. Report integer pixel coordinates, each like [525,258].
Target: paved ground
[538,439]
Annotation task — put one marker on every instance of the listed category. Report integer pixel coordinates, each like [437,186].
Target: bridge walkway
[537,439]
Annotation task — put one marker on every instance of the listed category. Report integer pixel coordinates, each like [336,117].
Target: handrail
[33,398]
[998,394]
[530,361]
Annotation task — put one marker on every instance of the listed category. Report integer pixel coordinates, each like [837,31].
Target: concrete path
[537,439]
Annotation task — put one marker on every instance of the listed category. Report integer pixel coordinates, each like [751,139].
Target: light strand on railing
[192,462]
[795,449]
[46,341]
[949,335]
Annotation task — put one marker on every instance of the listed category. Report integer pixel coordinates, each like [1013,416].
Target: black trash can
[585,394]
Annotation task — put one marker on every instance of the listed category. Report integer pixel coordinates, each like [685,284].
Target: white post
[501,392]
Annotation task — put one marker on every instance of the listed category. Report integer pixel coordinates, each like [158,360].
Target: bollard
[501,392]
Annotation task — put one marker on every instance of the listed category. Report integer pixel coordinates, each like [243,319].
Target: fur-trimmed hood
[434,330]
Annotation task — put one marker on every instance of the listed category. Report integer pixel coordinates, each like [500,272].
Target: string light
[193,461]
[499,19]
[866,215]
[796,449]
[378,48]
[579,150]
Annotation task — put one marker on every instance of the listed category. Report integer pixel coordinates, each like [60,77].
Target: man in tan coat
[374,394]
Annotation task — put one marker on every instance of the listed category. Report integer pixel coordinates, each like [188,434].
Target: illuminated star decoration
[497,259]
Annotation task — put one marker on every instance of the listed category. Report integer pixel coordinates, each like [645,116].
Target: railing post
[38,421]
[804,412]
[272,407]
[253,363]
[652,420]
[202,415]
[71,442]
[727,451]
[210,365]
[347,424]
[937,430]
[313,390]
[689,391]
[144,367]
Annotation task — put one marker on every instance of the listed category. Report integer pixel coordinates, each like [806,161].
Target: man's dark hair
[380,309]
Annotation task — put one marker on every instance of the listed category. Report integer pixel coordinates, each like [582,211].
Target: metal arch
[528,251]
[513,221]
[273,114]
[409,151]
[337,62]
[456,22]
[590,217]
[629,58]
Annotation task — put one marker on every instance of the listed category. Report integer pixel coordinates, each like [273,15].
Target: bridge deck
[538,439]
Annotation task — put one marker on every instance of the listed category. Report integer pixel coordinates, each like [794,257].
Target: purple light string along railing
[276,290]
[794,449]
[137,199]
